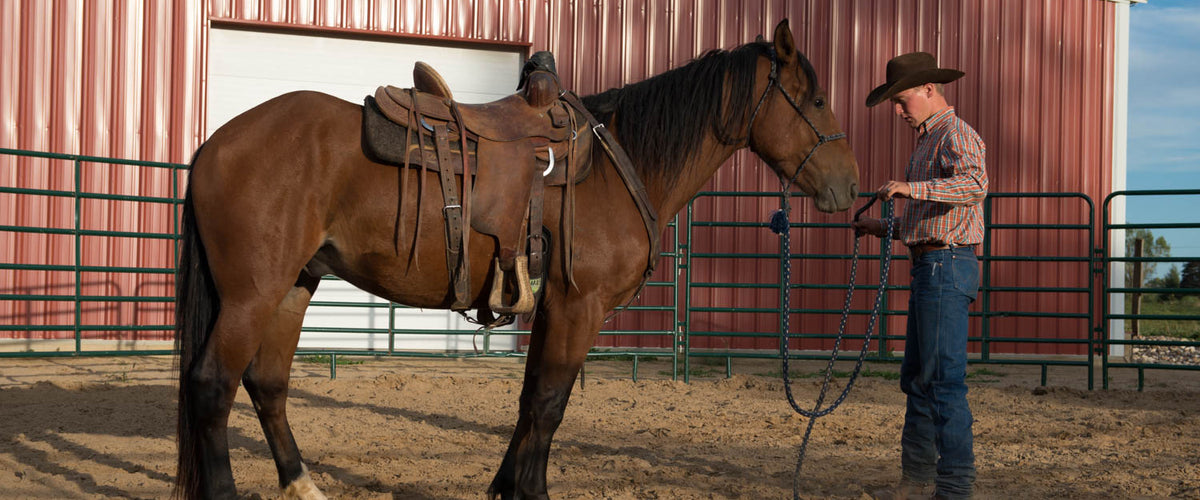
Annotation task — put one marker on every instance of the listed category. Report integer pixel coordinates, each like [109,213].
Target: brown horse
[284,193]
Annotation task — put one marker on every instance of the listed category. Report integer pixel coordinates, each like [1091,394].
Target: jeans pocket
[925,272]
[966,275]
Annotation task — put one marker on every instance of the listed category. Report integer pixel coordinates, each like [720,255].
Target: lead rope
[781,225]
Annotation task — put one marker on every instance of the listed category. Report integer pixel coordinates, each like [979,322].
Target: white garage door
[246,68]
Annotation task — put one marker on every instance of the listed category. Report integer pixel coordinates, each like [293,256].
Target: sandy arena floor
[436,429]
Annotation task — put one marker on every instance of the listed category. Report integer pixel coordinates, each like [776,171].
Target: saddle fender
[502,194]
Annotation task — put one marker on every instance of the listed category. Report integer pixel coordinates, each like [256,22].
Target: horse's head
[794,131]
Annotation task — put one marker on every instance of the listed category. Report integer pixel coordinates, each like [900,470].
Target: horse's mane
[662,120]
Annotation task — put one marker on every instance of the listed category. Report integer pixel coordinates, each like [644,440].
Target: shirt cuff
[917,190]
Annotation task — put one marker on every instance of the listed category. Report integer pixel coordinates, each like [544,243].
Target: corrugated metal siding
[104,78]
[124,78]
[1038,89]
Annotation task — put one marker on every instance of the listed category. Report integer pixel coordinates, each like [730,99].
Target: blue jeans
[936,444]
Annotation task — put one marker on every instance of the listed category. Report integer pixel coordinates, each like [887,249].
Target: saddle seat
[539,91]
[509,119]
[534,114]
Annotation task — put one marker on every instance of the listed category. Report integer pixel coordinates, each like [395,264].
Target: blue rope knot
[779,222]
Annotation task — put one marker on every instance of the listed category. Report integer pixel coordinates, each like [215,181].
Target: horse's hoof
[303,488]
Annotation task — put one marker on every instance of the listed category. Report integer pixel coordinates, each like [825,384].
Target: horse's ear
[785,46]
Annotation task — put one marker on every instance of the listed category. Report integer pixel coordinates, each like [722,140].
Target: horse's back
[280,148]
[301,108]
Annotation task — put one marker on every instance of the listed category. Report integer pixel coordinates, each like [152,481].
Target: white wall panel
[248,67]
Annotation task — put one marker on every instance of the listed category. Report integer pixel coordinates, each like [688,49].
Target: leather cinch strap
[625,169]
[456,264]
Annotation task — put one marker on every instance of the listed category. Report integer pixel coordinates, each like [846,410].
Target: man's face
[914,105]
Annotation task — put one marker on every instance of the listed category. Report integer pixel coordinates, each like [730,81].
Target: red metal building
[127,79]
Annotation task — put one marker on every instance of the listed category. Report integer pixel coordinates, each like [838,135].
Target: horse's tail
[196,308]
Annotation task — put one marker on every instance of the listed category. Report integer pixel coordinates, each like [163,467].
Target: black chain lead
[781,225]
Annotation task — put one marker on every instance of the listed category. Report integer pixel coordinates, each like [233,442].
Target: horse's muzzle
[835,198]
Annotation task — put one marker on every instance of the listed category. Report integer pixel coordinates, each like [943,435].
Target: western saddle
[505,152]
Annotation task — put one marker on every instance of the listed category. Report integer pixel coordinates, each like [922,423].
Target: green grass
[697,372]
[984,372]
[984,375]
[865,373]
[623,357]
[324,360]
[618,357]
[981,374]
[1185,306]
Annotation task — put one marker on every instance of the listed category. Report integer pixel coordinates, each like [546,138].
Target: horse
[284,193]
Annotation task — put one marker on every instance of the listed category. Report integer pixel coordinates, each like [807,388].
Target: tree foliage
[1171,280]
[1191,275]
[1151,247]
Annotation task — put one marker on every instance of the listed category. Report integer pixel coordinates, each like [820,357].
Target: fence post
[1136,302]
[78,256]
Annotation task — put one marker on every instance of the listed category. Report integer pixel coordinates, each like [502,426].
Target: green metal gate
[1109,258]
[679,289]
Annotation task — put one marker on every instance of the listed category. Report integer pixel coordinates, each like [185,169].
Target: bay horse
[283,193]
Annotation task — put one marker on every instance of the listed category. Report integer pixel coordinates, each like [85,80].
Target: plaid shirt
[948,182]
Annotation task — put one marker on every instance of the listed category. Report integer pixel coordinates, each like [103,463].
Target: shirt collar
[936,120]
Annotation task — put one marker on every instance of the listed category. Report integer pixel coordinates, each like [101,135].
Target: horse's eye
[819,103]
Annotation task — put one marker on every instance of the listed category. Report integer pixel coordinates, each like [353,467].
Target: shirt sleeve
[962,162]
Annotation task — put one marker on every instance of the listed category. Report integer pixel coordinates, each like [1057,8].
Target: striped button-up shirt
[948,182]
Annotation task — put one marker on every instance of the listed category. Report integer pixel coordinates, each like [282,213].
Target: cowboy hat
[910,70]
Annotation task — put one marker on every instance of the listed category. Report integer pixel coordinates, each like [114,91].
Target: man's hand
[866,225]
[894,189]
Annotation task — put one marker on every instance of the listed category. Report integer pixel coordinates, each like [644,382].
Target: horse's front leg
[559,343]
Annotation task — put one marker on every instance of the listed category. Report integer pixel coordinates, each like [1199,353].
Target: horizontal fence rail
[74,282]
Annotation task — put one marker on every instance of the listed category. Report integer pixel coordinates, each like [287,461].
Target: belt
[920,249]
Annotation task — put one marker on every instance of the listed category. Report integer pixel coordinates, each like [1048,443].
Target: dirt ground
[436,429]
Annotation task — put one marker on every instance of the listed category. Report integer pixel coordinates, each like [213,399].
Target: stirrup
[524,303]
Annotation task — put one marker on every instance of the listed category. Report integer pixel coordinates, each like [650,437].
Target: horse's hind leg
[266,380]
[251,328]
[211,384]
[254,341]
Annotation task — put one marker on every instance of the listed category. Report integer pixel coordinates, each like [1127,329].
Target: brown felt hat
[910,70]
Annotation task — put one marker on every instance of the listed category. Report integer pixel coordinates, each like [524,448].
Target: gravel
[1167,355]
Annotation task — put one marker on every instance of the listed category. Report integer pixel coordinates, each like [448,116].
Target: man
[941,223]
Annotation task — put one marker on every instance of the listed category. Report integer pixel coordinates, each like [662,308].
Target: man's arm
[963,159]
[875,227]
